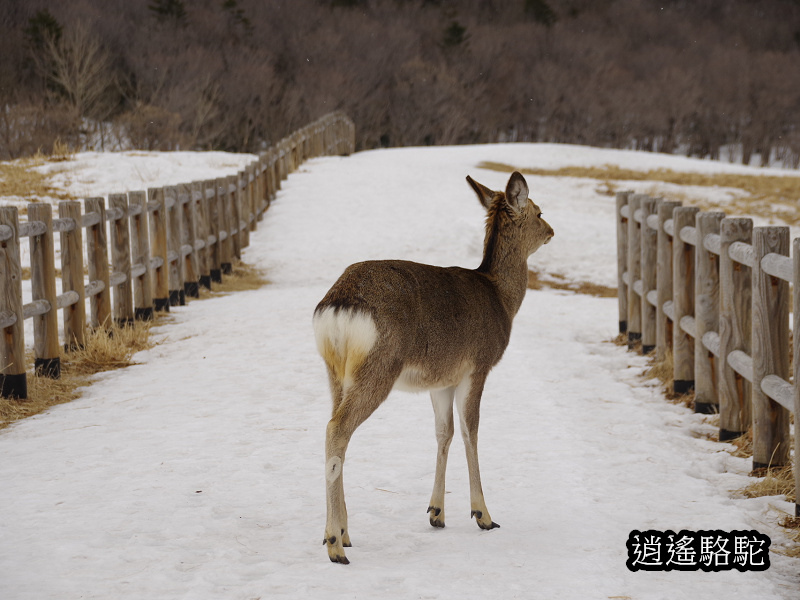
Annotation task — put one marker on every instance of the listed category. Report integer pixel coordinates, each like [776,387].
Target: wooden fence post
[177,296]
[243,202]
[158,246]
[198,192]
[634,271]
[97,254]
[262,196]
[796,369]
[276,169]
[213,218]
[235,214]
[13,381]
[140,257]
[252,197]
[706,313]
[770,349]
[664,325]
[735,404]
[649,243]
[189,262]
[225,220]
[43,287]
[682,299]
[121,258]
[622,260]
[72,276]
[283,147]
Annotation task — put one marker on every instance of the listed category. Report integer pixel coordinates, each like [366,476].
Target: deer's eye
[539,215]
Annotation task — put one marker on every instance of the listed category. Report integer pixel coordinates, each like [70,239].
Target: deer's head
[513,220]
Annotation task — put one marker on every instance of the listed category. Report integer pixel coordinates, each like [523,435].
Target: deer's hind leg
[468,402]
[371,384]
[337,395]
[442,401]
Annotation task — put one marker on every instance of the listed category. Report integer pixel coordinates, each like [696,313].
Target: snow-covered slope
[199,472]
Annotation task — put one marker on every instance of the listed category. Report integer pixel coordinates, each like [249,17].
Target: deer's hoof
[484,523]
[339,558]
[436,516]
[335,552]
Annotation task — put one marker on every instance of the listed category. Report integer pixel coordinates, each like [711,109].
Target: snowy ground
[198,473]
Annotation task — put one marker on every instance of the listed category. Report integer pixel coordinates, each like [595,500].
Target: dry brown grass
[768,196]
[105,350]
[775,481]
[743,445]
[61,152]
[792,524]
[559,282]
[244,277]
[621,339]
[20,178]
[661,369]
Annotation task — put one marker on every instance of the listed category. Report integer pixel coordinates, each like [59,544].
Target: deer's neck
[507,267]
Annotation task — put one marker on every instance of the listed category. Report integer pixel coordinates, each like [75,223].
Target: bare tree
[80,70]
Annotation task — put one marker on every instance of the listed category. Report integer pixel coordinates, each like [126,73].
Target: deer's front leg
[468,401]
[442,401]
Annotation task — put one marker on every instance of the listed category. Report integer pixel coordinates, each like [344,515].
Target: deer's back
[438,321]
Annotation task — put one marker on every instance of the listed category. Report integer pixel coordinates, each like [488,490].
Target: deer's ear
[517,191]
[485,195]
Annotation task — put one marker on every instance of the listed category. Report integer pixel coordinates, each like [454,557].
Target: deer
[395,324]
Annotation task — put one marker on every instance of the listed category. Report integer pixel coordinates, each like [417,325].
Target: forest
[696,77]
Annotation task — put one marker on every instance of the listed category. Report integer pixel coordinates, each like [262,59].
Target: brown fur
[395,323]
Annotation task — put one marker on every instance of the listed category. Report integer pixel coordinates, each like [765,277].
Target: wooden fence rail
[720,301]
[145,251]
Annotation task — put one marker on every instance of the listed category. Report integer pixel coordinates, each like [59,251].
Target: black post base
[177,298]
[205,281]
[47,367]
[227,268]
[706,408]
[633,337]
[726,435]
[757,466]
[683,386]
[216,275]
[144,314]
[14,386]
[161,304]
[647,349]
[191,289]
[623,327]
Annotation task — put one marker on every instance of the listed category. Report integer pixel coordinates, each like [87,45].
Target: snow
[198,473]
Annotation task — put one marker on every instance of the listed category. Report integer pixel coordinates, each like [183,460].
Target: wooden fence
[163,245]
[715,292]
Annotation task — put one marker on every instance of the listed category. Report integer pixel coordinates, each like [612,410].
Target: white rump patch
[344,339]
[345,330]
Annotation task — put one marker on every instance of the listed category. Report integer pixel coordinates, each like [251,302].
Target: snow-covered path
[199,472]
